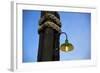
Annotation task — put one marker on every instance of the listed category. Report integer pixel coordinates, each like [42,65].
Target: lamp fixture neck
[66,41]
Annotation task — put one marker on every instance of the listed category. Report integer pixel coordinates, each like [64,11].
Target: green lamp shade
[66,47]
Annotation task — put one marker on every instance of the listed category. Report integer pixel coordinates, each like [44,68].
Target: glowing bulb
[66,48]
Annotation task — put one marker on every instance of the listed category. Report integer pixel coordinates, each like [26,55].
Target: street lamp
[49,35]
[66,47]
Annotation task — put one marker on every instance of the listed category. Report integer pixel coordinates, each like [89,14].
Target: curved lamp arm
[66,41]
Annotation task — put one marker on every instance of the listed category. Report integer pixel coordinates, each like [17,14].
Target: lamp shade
[66,47]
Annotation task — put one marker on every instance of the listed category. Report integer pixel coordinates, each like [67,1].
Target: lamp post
[49,35]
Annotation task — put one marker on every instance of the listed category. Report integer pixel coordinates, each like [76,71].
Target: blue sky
[76,25]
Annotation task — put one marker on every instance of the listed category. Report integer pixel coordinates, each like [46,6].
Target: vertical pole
[49,28]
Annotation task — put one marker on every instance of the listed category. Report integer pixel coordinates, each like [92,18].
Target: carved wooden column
[49,36]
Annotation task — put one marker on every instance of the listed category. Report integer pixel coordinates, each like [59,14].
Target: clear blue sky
[76,25]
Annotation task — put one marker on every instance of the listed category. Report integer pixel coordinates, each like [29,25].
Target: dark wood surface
[48,49]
